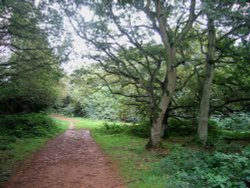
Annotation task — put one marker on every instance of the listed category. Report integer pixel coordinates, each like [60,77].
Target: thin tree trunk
[208,80]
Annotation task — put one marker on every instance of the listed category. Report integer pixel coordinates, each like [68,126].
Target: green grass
[14,150]
[88,123]
[135,164]
[62,123]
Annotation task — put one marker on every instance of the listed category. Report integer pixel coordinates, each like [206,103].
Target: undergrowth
[27,125]
[141,130]
[199,168]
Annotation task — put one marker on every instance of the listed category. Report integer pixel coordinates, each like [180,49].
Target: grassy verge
[13,150]
[135,164]
[62,124]
[88,124]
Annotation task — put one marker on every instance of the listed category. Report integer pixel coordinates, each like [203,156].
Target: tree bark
[204,104]
[164,129]
[207,84]
[157,122]
[158,117]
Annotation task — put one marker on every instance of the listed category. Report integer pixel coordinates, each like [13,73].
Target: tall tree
[218,16]
[28,54]
[120,22]
[208,79]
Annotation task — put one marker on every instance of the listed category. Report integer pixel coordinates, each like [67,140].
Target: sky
[78,45]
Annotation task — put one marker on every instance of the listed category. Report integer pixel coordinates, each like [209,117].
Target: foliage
[180,127]
[141,130]
[128,40]
[235,135]
[27,125]
[189,168]
[101,106]
[113,128]
[29,66]
[91,98]
[236,122]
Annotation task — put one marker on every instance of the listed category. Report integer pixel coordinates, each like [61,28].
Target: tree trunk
[157,118]
[164,130]
[209,72]
[170,43]
[204,104]
[157,122]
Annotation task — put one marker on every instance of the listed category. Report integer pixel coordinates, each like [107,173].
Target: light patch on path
[72,160]
[71,125]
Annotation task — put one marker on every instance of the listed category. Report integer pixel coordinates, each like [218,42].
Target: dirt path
[72,160]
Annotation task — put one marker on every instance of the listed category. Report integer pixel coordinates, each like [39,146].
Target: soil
[72,160]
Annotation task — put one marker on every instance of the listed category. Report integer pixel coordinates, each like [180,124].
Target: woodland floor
[72,160]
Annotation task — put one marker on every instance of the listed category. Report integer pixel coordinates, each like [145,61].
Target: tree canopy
[30,64]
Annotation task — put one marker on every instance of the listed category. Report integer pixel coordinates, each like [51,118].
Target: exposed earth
[72,160]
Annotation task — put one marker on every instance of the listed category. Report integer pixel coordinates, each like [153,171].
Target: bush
[27,125]
[141,130]
[187,168]
[112,129]
[180,127]
[236,122]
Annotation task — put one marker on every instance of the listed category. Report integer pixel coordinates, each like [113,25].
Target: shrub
[112,129]
[27,125]
[180,127]
[141,130]
[236,122]
[187,168]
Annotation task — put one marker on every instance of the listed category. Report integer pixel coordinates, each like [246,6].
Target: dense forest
[166,83]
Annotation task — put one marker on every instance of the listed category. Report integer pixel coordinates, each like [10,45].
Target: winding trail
[71,160]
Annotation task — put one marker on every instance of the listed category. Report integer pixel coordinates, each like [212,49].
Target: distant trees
[92,98]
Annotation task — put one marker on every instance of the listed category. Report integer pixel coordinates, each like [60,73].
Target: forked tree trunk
[158,118]
[208,80]
[157,123]
[170,44]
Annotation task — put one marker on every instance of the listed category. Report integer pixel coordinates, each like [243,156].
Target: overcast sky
[78,45]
